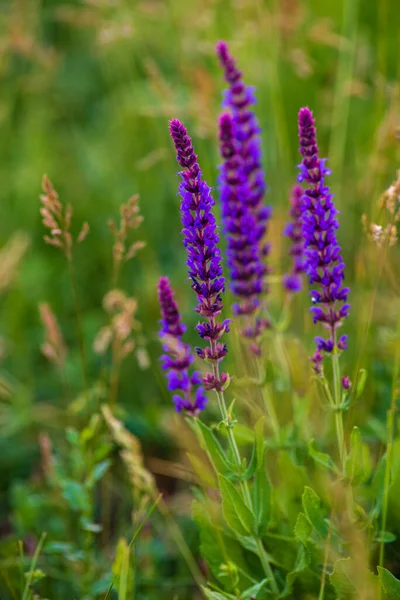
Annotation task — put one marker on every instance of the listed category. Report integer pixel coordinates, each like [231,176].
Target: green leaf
[90,431]
[352,580]
[69,551]
[301,564]
[243,434]
[252,592]
[87,525]
[378,485]
[236,513]
[212,595]
[302,529]
[219,547]
[252,467]
[262,498]
[75,494]
[259,441]
[72,436]
[321,458]
[362,379]
[97,473]
[122,570]
[354,467]
[341,579]
[390,583]
[314,512]
[214,450]
[385,537]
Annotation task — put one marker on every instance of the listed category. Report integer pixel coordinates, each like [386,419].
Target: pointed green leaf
[218,546]
[362,379]
[212,595]
[390,584]
[214,450]
[321,458]
[262,498]
[75,494]
[384,537]
[341,579]
[252,467]
[378,485]
[302,529]
[354,467]
[352,580]
[314,512]
[236,513]
[253,592]
[97,473]
[259,441]
[302,562]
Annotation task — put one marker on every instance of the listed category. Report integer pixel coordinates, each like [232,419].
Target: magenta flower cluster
[323,261]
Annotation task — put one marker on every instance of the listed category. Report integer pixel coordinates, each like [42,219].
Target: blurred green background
[87,90]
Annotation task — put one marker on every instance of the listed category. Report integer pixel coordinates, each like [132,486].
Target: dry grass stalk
[10,258]
[123,324]
[58,220]
[130,219]
[53,348]
[389,205]
[142,481]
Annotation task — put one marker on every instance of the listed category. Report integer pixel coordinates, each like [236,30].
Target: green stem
[78,324]
[262,554]
[338,413]
[266,565]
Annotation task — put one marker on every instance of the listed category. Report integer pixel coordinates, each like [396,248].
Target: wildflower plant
[251,517]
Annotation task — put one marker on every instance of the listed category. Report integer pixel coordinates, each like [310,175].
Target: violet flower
[190,396]
[242,230]
[200,238]
[293,230]
[323,262]
[239,98]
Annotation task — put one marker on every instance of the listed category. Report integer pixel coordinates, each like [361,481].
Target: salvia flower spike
[189,396]
[200,237]
[242,230]
[239,99]
[292,281]
[322,255]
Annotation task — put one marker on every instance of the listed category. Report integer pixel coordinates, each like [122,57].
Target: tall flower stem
[262,554]
[338,411]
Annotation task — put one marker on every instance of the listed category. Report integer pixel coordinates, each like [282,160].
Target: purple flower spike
[242,231]
[179,357]
[239,98]
[323,262]
[200,238]
[293,230]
